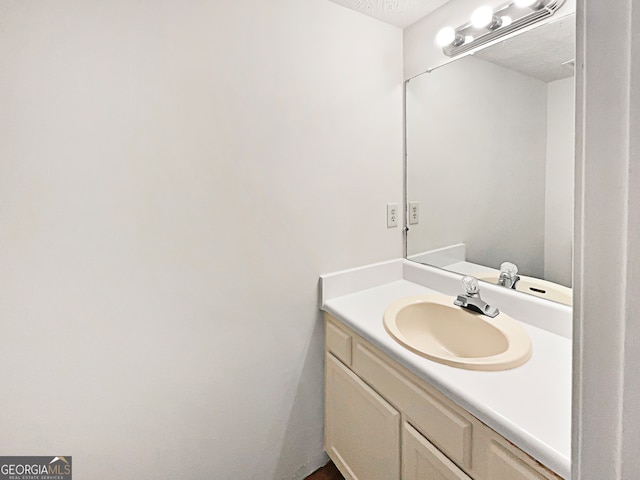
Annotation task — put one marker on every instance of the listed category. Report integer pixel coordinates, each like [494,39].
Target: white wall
[559,178]
[174,176]
[606,384]
[420,49]
[478,178]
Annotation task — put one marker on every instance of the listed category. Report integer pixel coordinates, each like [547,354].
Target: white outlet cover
[392,215]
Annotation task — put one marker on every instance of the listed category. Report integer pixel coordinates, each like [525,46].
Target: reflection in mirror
[490,155]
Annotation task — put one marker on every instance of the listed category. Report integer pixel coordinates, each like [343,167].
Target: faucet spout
[471,299]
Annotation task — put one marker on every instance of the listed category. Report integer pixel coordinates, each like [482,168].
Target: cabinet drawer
[440,422]
[337,340]
[421,460]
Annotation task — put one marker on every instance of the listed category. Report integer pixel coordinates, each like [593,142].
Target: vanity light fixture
[488,24]
[506,20]
[448,36]
[483,17]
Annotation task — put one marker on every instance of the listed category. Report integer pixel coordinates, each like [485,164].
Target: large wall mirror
[490,161]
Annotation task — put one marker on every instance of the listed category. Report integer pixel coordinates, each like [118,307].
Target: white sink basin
[431,326]
[535,286]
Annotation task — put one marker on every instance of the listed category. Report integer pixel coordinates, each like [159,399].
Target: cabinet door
[422,461]
[362,431]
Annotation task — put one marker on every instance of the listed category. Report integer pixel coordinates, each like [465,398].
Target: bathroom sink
[431,326]
[535,286]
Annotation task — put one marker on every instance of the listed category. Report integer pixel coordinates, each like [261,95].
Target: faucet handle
[508,275]
[470,285]
[509,268]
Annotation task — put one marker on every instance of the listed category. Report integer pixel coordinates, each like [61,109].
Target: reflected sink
[535,286]
[431,326]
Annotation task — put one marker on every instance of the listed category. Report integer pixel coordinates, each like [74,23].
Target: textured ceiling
[400,13]
[541,52]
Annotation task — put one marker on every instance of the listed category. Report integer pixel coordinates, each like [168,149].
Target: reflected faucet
[471,299]
[508,275]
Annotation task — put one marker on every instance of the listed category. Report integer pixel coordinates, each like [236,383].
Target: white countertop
[529,405]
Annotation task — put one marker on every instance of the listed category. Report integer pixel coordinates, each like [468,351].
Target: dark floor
[328,472]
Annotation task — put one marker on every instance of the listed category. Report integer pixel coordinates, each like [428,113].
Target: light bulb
[506,20]
[482,17]
[524,3]
[445,36]
[468,39]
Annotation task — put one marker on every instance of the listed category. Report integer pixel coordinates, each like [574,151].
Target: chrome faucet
[471,299]
[508,275]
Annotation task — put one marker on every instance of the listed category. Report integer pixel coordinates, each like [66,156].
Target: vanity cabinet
[382,422]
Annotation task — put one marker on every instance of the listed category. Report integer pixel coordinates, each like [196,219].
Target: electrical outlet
[392,215]
[414,213]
